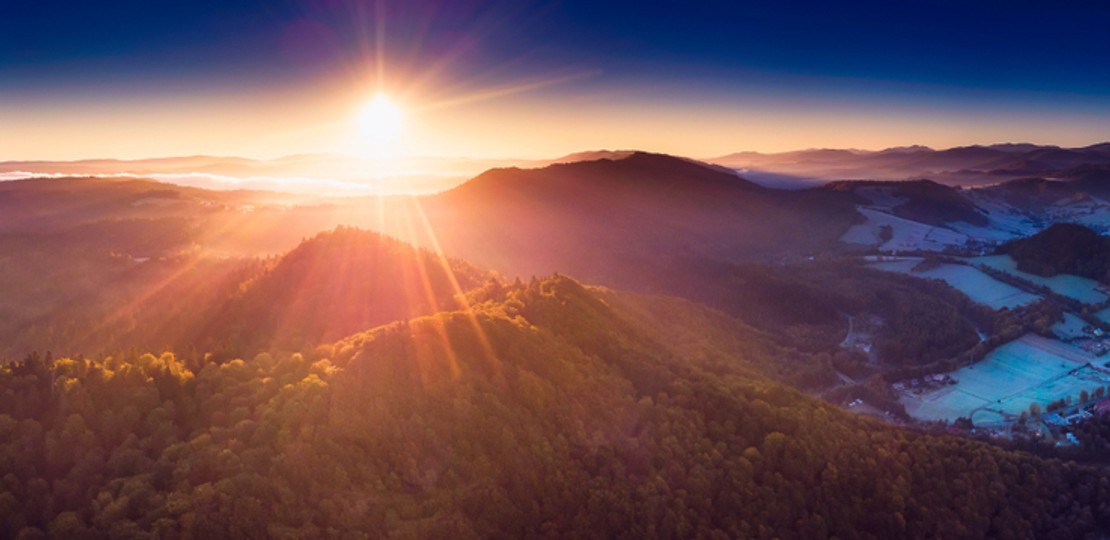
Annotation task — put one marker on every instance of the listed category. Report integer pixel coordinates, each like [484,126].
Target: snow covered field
[1080,288]
[1071,327]
[1029,370]
[974,283]
[906,234]
[1093,213]
[1005,221]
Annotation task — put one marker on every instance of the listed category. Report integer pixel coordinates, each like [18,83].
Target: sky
[532,79]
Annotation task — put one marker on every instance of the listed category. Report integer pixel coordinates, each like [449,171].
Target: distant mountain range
[618,218]
[965,165]
[334,174]
[426,387]
[590,218]
[319,174]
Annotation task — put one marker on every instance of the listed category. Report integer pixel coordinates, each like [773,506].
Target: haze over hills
[425,366]
[967,165]
[334,174]
[305,174]
[331,286]
[637,221]
[422,269]
[593,215]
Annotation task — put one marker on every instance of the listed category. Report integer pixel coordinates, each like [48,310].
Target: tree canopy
[545,409]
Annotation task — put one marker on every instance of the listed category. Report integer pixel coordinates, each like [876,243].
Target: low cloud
[299,185]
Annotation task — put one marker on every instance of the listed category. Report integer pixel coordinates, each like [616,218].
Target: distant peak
[593,155]
[636,158]
[643,167]
[906,149]
[1098,147]
[1021,147]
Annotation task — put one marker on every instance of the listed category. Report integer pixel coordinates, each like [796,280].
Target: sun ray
[505,90]
[132,308]
[472,317]
[438,322]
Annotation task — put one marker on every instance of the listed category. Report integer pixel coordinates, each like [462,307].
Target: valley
[583,310]
[554,269]
[1048,367]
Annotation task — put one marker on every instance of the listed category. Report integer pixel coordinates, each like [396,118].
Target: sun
[381,118]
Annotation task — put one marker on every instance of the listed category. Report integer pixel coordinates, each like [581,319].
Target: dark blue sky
[1060,46]
[1031,58]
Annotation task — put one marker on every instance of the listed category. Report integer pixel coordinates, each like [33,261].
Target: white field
[988,235]
[1029,370]
[1085,290]
[906,234]
[1094,213]
[1071,327]
[978,286]
[1005,221]
[1004,218]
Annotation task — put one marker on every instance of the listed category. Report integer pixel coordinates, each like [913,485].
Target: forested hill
[1063,248]
[546,410]
[924,201]
[332,285]
[626,222]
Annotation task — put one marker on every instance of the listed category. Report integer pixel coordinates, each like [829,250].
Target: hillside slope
[962,165]
[923,201]
[545,411]
[624,222]
[332,285]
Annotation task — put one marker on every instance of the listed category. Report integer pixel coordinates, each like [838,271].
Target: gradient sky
[132,79]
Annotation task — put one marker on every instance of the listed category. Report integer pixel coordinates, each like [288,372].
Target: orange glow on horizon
[491,124]
[535,116]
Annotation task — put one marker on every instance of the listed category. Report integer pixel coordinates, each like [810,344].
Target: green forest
[545,409]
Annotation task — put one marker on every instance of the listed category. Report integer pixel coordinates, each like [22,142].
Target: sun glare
[381,118]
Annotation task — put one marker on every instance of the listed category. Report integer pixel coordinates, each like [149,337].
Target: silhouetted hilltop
[964,165]
[921,200]
[592,155]
[638,174]
[333,285]
[618,222]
